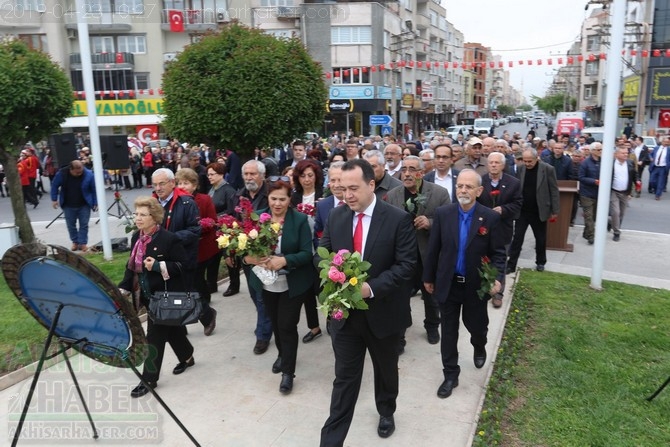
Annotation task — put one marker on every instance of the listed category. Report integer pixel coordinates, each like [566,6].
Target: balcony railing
[99,21]
[195,18]
[111,59]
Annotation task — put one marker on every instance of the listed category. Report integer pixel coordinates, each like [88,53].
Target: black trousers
[349,344]
[311,312]
[203,287]
[475,319]
[284,313]
[212,272]
[234,276]
[539,231]
[157,336]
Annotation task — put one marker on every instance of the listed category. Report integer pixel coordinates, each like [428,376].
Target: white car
[430,134]
[453,131]
[650,142]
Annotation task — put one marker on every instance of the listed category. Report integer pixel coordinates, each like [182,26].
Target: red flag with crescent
[176,20]
[664,118]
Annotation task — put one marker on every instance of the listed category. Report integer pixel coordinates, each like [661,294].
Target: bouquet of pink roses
[342,276]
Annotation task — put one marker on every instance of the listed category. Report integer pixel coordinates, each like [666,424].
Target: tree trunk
[21,219]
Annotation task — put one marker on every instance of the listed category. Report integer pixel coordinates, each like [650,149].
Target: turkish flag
[176,20]
[664,118]
[146,133]
[119,58]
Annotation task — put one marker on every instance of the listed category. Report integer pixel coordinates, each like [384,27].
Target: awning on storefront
[111,121]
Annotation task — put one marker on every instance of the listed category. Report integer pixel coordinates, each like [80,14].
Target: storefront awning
[111,121]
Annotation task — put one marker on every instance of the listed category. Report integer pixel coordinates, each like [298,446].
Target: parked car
[650,142]
[483,125]
[453,131]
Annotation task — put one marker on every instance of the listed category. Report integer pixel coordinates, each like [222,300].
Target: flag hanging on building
[176,20]
[664,118]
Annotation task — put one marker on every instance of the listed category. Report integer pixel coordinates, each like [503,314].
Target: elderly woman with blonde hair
[155,264]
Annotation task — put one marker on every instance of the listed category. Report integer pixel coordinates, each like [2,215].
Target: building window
[132,44]
[102,44]
[592,68]
[351,75]
[351,35]
[105,80]
[590,91]
[35,41]
[593,43]
[141,81]
[116,6]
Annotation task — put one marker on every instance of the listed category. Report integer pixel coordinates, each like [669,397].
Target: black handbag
[175,308]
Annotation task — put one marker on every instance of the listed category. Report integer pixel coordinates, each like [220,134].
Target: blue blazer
[87,187]
[655,152]
[430,177]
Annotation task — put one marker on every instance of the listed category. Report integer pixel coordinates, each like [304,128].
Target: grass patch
[21,336]
[575,366]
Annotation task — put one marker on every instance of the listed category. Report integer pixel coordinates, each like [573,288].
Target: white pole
[614,65]
[87,75]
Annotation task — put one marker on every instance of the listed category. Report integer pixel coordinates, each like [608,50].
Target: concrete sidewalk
[231,398]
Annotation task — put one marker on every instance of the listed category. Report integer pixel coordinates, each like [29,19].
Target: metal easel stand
[66,345]
[55,219]
[658,391]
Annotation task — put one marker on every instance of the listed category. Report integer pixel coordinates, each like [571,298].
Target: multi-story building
[401,58]
[479,55]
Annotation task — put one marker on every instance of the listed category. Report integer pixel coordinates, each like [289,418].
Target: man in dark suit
[420,199]
[501,193]
[299,154]
[624,176]
[462,236]
[539,189]
[383,181]
[326,205]
[388,242]
[444,175]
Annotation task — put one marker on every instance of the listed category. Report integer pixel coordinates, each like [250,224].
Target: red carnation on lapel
[483,231]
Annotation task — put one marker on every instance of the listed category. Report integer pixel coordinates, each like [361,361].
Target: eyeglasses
[411,169]
[276,178]
[161,184]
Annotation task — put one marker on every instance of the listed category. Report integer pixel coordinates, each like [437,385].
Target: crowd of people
[426,214]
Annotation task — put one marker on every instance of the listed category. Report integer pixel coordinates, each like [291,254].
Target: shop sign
[121,107]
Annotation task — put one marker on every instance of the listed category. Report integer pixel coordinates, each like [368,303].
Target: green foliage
[575,365]
[342,276]
[505,110]
[553,103]
[35,93]
[241,89]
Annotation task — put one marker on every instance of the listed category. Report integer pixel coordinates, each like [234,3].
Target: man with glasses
[462,235]
[420,199]
[181,215]
[393,156]
[444,175]
[539,189]
[383,181]
[351,149]
[589,180]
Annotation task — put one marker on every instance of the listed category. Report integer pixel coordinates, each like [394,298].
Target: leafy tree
[36,97]
[505,110]
[553,103]
[242,88]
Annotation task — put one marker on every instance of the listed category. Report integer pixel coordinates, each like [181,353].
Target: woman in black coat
[155,264]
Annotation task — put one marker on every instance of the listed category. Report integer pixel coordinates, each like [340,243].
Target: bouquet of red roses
[254,235]
[306,208]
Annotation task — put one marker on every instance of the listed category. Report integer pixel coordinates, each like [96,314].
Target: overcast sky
[521,30]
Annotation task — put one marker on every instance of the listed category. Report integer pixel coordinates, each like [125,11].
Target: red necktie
[340,203]
[358,234]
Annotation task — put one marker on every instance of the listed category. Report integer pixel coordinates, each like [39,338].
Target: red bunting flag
[373,68]
[560,61]
[603,56]
[176,20]
[656,53]
[419,64]
[592,57]
[328,75]
[500,64]
[539,62]
[550,61]
[510,63]
[645,53]
[365,69]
